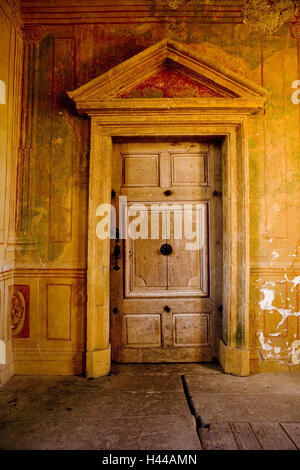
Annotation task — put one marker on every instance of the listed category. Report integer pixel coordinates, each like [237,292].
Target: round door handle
[166,249]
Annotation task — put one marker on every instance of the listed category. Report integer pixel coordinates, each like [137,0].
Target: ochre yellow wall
[10,74]
[50,271]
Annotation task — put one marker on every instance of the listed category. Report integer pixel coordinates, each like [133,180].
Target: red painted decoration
[169,83]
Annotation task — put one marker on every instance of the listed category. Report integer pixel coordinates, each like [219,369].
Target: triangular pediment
[170,83]
[167,69]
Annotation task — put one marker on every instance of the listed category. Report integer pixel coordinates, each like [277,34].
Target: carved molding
[295,29]
[12,10]
[17,312]
[32,32]
[138,12]
[242,95]
[19,222]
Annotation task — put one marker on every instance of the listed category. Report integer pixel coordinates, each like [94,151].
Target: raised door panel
[188,264]
[142,330]
[145,268]
[191,329]
[140,170]
[189,169]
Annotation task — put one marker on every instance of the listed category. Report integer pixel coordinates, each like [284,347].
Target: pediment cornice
[111,90]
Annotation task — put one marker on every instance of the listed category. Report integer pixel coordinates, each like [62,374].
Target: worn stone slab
[271,436]
[244,436]
[82,405]
[217,437]
[103,385]
[214,408]
[161,432]
[134,383]
[121,411]
[167,369]
[148,410]
[283,383]
[293,431]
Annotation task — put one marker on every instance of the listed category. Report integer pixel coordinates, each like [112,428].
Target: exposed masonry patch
[268,15]
[175,3]
[2,352]
[265,345]
[295,281]
[266,304]
[296,352]
[2,92]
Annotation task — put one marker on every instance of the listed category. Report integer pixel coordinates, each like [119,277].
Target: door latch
[117,250]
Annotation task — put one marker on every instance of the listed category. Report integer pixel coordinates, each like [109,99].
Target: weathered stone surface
[122,411]
[274,384]
[268,15]
[220,407]
[132,410]
[45,155]
[161,432]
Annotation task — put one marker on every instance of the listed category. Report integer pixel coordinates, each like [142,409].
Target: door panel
[164,304]
[189,169]
[142,331]
[140,170]
[145,270]
[191,329]
[187,269]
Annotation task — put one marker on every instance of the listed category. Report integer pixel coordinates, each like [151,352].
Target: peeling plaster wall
[62,53]
[267,16]
[10,80]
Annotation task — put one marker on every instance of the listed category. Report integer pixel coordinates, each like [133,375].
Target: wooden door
[166,285]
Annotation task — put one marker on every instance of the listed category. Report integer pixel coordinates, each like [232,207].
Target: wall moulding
[139,11]
[295,30]
[113,117]
[32,32]
[12,9]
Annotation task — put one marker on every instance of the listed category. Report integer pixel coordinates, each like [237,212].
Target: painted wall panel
[59,298]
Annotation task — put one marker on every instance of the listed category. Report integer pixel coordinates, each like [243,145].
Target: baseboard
[6,373]
[98,362]
[234,361]
[48,368]
[45,362]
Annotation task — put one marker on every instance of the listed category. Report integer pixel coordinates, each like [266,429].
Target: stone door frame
[234,346]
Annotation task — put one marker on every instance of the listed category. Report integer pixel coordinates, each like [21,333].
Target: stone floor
[152,407]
